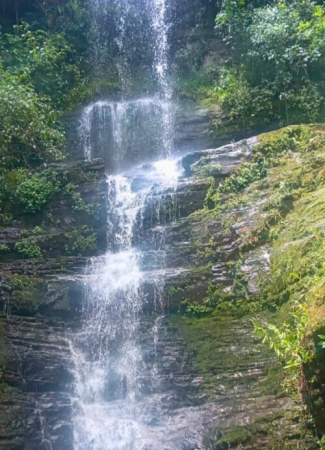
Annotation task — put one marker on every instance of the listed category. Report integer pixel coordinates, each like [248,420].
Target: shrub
[82,244]
[29,249]
[275,63]
[37,190]
[29,128]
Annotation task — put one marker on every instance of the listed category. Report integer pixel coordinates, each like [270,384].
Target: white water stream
[116,392]
[111,410]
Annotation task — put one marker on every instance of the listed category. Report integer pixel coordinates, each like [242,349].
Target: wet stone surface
[204,384]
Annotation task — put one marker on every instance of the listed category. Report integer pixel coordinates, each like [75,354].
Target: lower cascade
[118,392]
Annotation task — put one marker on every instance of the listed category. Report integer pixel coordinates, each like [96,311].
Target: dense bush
[42,74]
[29,127]
[37,190]
[48,62]
[275,65]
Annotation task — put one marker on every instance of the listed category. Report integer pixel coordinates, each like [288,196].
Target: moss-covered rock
[21,294]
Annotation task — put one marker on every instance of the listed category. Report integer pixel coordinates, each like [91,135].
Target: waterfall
[117,381]
[130,131]
[115,387]
[160,27]
[126,132]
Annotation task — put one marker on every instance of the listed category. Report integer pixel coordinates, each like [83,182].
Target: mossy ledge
[273,206]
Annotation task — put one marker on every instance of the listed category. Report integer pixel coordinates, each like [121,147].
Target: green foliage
[210,199]
[237,436]
[275,65]
[25,293]
[243,176]
[199,86]
[4,248]
[29,128]
[41,75]
[288,340]
[25,190]
[38,231]
[29,248]
[246,105]
[189,59]
[78,202]
[322,342]
[265,156]
[46,61]
[204,168]
[246,173]
[83,243]
[205,306]
[294,288]
[216,303]
[35,191]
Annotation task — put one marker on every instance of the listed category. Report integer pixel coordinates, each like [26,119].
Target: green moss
[274,380]
[238,435]
[203,337]
[24,292]
[273,428]
[204,168]
[291,218]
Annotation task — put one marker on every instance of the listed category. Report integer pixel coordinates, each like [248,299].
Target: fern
[287,340]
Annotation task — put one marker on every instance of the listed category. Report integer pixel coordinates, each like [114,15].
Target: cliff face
[224,242]
[40,302]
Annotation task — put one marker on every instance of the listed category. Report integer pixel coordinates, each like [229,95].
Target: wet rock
[205,383]
[227,157]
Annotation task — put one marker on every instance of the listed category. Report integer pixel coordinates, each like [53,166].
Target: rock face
[195,129]
[218,389]
[36,385]
[192,129]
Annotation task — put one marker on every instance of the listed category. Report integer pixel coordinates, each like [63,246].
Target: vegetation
[82,240]
[24,294]
[39,75]
[35,191]
[285,175]
[29,248]
[43,68]
[273,66]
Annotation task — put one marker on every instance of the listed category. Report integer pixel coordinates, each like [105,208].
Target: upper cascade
[125,133]
[142,129]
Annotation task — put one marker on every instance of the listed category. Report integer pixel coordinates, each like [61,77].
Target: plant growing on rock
[29,248]
[82,242]
[35,191]
[287,340]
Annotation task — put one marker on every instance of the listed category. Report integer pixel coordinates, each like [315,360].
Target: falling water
[160,27]
[132,130]
[118,398]
[111,377]
[124,132]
